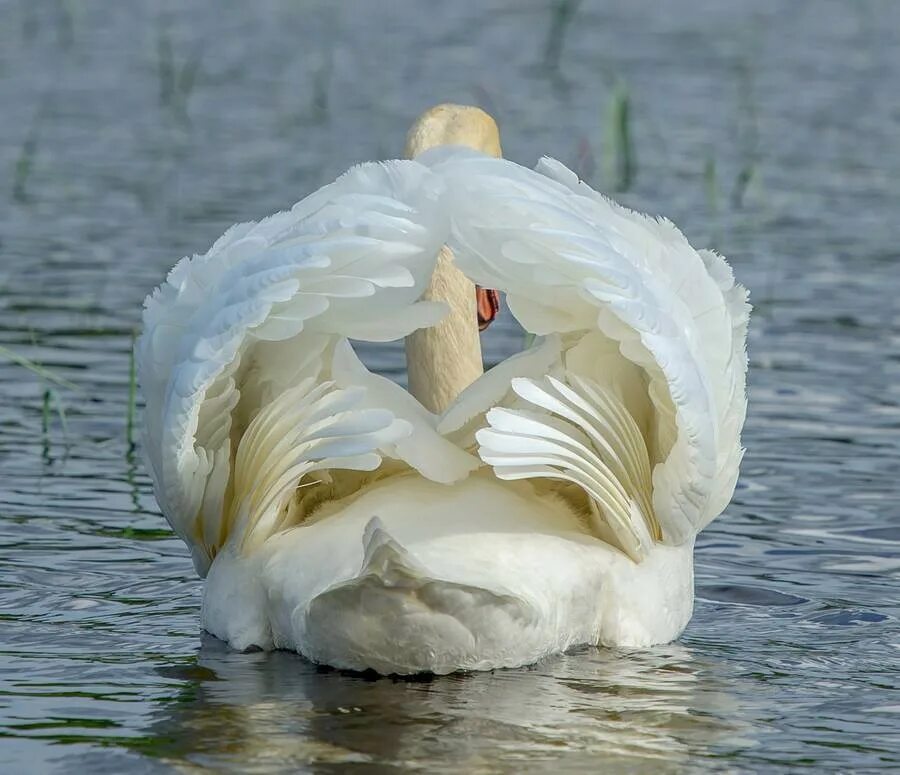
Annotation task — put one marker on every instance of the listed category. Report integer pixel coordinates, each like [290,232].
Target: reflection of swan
[553,502]
[601,710]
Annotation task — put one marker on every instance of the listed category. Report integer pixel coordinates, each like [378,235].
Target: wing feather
[262,313]
[652,363]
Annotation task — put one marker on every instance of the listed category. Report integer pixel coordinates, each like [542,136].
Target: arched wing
[645,409]
[252,328]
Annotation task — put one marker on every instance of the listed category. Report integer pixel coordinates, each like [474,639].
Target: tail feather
[395,616]
[386,558]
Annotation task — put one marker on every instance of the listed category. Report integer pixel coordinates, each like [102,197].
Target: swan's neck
[445,359]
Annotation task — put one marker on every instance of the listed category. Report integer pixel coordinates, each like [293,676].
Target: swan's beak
[488,301]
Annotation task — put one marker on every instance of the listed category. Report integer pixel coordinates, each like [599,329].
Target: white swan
[483,520]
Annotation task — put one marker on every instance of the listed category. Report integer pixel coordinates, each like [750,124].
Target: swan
[478,520]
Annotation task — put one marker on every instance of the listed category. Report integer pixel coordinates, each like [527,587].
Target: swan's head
[454,125]
[469,126]
[488,306]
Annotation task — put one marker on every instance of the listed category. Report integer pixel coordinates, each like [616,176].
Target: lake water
[135,133]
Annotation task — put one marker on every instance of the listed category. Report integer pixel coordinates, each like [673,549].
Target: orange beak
[488,301]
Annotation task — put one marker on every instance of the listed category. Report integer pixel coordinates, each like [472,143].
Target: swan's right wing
[644,408]
[237,356]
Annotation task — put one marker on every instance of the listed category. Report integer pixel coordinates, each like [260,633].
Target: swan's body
[474,576]
[553,502]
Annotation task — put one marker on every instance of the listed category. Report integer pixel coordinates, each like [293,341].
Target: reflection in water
[643,711]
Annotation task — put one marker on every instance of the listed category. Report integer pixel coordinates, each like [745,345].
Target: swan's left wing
[244,364]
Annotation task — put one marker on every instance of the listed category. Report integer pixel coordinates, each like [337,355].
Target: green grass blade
[620,163]
[132,395]
[36,368]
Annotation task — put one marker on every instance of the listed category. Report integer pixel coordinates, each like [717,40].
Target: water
[136,133]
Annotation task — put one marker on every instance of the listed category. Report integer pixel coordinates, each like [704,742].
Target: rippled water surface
[135,133]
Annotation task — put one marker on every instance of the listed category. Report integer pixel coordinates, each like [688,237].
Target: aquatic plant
[24,165]
[321,84]
[52,397]
[619,161]
[747,129]
[66,15]
[176,83]
[713,196]
[562,14]
[745,176]
[35,368]
[131,408]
